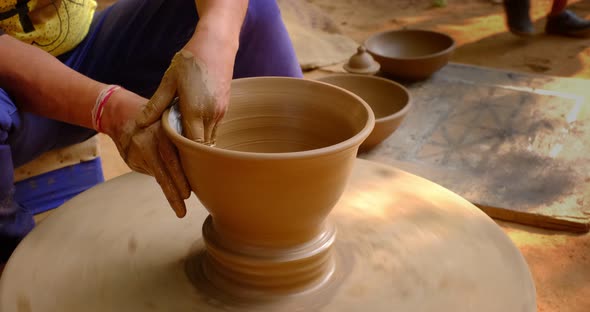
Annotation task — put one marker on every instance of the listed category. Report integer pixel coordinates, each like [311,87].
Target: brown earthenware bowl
[389,101]
[282,158]
[411,54]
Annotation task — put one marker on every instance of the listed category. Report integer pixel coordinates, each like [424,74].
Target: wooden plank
[516,145]
[58,158]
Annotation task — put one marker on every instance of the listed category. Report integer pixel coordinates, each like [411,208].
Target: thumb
[161,100]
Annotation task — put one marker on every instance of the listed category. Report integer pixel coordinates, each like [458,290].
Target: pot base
[403,243]
[243,271]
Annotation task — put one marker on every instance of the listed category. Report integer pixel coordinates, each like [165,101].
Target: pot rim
[357,139]
[440,53]
[389,117]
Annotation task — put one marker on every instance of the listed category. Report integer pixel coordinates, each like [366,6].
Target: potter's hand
[145,147]
[202,98]
[148,150]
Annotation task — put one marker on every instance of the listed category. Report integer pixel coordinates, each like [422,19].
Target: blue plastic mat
[50,190]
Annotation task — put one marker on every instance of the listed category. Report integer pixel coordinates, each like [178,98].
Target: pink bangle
[98,108]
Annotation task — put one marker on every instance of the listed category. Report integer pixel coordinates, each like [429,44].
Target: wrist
[215,35]
[99,105]
[217,53]
[119,109]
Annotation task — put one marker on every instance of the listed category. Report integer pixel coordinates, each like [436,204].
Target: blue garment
[15,220]
[131,44]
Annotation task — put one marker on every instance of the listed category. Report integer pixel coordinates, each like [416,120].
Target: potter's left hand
[203,93]
[146,148]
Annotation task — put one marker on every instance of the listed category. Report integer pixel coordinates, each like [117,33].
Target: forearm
[218,30]
[41,84]
[224,18]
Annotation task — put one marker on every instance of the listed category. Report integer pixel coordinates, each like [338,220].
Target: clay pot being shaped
[389,100]
[283,155]
[411,54]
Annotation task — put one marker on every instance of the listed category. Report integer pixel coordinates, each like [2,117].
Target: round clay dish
[282,159]
[280,138]
[389,100]
[411,54]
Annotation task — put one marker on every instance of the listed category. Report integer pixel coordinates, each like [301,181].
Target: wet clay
[401,242]
[200,97]
[410,54]
[390,102]
[283,156]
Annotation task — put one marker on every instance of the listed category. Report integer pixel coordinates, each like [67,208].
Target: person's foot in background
[564,22]
[518,18]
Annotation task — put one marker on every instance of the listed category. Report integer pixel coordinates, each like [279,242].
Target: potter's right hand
[202,98]
[144,146]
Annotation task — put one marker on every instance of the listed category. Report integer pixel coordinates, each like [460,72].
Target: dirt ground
[560,263]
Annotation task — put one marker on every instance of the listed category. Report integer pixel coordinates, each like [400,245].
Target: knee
[265,46]
[261,15]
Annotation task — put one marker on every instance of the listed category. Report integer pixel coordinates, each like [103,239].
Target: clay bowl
[282,158]
[411,54]
[389,101]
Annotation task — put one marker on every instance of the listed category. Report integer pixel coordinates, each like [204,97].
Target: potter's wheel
[402,244]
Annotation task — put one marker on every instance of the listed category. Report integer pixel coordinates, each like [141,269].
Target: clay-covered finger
[140,169]
[169,156]
[214,126]
[158,103]
[158,169]
[208,127]
[214,133]
[167,185]
[193,128]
